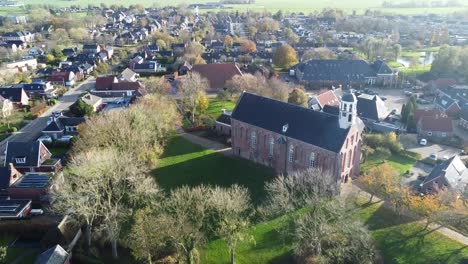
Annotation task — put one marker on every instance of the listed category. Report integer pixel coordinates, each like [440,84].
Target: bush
[12,129]
[53,101]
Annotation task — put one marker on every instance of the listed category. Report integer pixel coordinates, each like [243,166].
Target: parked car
[408,93]
[422,101]
[65,139]
[371,92]
[45,139]
[37,212]
[433,156]
[423,142]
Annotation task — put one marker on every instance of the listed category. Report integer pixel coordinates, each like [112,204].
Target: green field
[399,162]
[305,6]
[215,108]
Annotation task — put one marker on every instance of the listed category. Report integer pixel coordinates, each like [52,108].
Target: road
[33,129]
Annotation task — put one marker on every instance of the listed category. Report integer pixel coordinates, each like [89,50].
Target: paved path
[34,128]
[206,143]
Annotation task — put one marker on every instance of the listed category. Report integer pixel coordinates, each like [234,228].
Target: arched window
[253,139]
[291,154]
[350,117]
[271,147]
[312,160]
[350,107]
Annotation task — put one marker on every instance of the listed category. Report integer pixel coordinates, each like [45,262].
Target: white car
[65,139]
[423,142]
[433,156]
[45,139]
[37,212]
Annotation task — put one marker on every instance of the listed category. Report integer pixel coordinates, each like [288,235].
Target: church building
[288,138]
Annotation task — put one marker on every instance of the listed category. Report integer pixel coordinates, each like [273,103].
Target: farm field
[305,6]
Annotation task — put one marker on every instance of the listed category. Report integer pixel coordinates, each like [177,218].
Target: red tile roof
[105,83]
[419,113]
[59,76]
[127,86]
[218,73]
[328,98]
[436,124]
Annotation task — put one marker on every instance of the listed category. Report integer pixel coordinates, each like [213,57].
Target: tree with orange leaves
[380,180]
[430,207]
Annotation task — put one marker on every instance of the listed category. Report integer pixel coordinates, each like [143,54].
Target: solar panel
[33,181]
[9,208]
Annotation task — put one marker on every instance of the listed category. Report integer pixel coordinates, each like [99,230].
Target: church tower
[348,110]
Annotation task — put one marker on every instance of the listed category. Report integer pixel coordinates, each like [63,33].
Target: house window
[312,160]
[291,154]
[349,118]
[20,160]
[271,146]
[429,133]
[253,139]
[444,134]
[349,158]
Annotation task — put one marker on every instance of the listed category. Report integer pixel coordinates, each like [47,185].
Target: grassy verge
[400,162]
[216,106]
[394,64]
[185,163]
[415,70]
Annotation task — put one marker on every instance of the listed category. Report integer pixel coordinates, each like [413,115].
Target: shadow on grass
[284,259]
[383,217]
[179,146]
[213,169]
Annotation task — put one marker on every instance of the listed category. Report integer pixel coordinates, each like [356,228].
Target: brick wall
[325,160]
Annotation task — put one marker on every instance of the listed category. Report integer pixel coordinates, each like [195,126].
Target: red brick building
[289,138]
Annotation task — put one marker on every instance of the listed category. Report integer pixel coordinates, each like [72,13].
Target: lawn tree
[298,97]
[228,41]
[150,234]
[157,85]
[248,46]
[428,206]
[202,103]
[79,196]
[327,234]
[190,89]
[285,57]
[380,180]
[81,109]
[121,182]
[318,54]
[232,205]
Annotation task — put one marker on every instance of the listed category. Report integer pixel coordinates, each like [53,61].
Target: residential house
[38,89]
[91,48]
[447,105]
[419,113]
[70,52]
[451,174]
[63,125]
[8,176]
[330,98]
[348,73]
[54,255]
[24,36]
[87,68]
[14,208]
[105,83]
[289,138]
[435,128]
[128,76]
[17,96]
[217,74]
[146,67]
[371,108]
[127,86]
[78,71]
[32,186]
[93,100]
[65,78]
[31,157]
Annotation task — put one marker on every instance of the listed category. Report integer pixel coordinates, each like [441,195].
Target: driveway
[395,98]
[440,150]
[34,128]
[419,169]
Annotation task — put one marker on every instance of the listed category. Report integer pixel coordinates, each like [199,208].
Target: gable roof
[453,171]
[105,83]
[381,67]
[436,124]
[54,255]
[127,74]
[59,124]
[327,98]
[28,150]
[445,102]
[309,126]
[127,86]
[217,74]
[371,107]
[419,113]
[13,94]
[91,99]
[336,70]
[224,118]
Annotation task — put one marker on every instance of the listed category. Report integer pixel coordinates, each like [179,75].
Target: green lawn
[58,151]
[410,53]
[399,162]
[14,253]
[185,163]
[394,64]
[216,106]
[399,240]
[415,71]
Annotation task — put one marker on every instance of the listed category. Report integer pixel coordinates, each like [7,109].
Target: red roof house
[105,83]
[217,74]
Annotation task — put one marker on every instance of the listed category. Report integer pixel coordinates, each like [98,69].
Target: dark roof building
[16,95]
[30,156]
[217,74]
[371,108]
[14,208]
[450,174]
[54,255]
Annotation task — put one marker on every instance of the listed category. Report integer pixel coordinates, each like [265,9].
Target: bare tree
[190,89]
